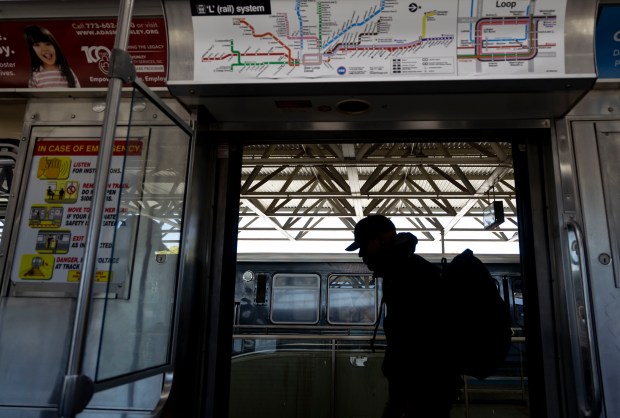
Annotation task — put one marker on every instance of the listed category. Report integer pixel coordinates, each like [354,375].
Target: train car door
[333,71]
[60,344]
[516,392]
[591,154]
[131,321]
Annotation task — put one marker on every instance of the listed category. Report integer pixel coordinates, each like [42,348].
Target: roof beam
[348,152]
[262,215]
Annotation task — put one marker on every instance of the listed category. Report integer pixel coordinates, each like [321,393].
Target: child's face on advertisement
[46,53]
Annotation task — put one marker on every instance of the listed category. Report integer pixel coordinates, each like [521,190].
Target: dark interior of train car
[180,179]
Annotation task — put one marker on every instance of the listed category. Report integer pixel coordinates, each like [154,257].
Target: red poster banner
[47,147]
[76,52]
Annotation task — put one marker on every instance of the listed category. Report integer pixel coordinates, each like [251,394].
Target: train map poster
[78,51]
[366,40]
[54,221]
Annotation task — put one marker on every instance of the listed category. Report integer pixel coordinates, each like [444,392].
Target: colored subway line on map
[349,47]
[353,25]
[531,45]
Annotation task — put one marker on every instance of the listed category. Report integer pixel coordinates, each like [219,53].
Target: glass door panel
[147,184]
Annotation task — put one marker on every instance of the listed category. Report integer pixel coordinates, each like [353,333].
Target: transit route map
[249,40]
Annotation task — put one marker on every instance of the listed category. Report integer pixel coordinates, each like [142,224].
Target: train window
[295,298]
[261,289]
[518,315]
[352,299]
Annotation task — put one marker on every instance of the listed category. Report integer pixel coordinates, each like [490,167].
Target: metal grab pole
[78,389]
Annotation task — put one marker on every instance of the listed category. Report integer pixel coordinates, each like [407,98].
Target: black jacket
[416,324]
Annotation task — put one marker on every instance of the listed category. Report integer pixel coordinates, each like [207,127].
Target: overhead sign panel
[367,40]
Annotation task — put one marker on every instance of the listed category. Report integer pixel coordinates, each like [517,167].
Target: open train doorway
[305,309]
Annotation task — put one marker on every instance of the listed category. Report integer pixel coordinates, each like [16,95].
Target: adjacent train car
[321,314]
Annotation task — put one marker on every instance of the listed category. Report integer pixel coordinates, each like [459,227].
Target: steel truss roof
[437,189]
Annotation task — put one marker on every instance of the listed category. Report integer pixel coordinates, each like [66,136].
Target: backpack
[484,329]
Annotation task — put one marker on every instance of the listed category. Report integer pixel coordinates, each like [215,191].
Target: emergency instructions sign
[54,221]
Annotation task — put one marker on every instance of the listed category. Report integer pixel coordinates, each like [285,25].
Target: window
[352,299]
[295,298]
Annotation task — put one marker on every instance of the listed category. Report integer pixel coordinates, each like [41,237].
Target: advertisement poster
[608,42]
[54,221]
[75,53]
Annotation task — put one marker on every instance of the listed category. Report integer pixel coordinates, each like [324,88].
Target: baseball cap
[368,228]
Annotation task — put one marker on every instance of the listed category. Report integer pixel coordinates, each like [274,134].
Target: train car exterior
[126,189]
[325,315]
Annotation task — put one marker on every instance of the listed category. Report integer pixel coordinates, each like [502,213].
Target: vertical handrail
[77,389]
[591,405]
[332,408]
[466,394]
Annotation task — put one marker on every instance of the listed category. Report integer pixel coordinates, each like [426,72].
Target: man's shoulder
[421,262]
[416,267]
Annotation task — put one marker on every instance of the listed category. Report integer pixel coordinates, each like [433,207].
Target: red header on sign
[76,52]
[85,147]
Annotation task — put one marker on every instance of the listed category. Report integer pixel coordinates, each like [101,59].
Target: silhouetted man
[422,381]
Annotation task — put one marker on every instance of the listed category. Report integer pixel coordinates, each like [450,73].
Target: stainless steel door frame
[586,249]
[596,189]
